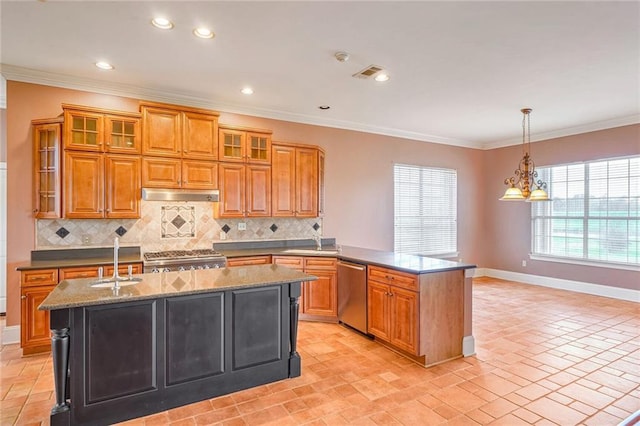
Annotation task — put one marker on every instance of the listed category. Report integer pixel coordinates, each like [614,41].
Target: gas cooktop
[182,254]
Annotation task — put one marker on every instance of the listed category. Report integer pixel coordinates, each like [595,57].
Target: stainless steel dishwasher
[352,295]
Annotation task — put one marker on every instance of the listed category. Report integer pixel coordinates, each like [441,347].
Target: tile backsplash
[169,226]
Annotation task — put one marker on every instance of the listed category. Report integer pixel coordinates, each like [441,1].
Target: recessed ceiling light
[203,32]
[382,77]
[162,23]
[324,107]
[247,90]
[104,65]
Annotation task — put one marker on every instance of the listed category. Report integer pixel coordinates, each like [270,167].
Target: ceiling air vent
[368,72]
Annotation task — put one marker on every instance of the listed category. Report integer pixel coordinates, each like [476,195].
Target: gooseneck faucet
[116,277]
[318,240]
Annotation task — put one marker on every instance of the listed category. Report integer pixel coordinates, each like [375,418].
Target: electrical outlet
[86,239]
[242,226]
[524,263]
[223,235]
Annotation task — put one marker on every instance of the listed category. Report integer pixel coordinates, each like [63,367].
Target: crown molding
[568,131]
[26,75]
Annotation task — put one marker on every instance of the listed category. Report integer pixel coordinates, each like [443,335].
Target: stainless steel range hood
[155,194]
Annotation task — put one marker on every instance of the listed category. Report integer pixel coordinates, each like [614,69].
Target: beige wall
[507,230]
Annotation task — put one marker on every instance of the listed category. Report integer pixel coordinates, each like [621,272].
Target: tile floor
[544,357]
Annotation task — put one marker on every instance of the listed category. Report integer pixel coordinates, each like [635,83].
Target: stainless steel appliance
[183,260]
[352,295]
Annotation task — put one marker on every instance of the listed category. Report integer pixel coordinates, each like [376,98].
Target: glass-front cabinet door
[232,145]
[83,130]
[122,134]
[259,148]
[46,167]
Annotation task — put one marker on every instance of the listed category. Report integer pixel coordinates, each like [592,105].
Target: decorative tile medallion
[226,228]
[315,226]
[273,227]
[178,221]
[121,230]
[62,232]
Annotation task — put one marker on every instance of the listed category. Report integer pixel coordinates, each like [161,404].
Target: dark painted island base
[115,362]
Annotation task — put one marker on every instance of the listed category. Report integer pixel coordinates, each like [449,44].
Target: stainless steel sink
[310,252]
[110,283]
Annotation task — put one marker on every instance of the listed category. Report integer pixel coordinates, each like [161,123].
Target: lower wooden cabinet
[35,286]
[248,260]
[319,299]
[421,315]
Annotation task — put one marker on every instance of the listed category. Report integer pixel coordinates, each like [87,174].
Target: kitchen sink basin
[110,283]
[311,252]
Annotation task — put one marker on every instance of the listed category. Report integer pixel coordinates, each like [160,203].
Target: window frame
[451,250]
[586,217]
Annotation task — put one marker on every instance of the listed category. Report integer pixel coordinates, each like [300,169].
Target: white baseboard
[468,346]
[561,284]
[10,335]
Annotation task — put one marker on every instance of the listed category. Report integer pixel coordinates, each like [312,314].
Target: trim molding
[468,346]
[562,284]
[10,335]
[27,75]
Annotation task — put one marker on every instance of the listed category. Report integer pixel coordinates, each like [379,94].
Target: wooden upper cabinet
[258,191]
[46,168]
[283,185]
[83,185]
[200,137]
[101,186]
[101,130]
[307,182]
[295,181]
[122,186]
[245,190]
[161,172]
[243,145]
[175,131]
[199,174]
[161,132]
[320,183]
[232,181]
[122,134]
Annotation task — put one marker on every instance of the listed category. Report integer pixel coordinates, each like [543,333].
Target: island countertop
[79,292]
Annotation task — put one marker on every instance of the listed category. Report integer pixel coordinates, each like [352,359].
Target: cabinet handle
[35,210]
[23,297]
[107,210]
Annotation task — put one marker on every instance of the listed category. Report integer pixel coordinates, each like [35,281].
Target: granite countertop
[401,262]
[79,292]
[70,263]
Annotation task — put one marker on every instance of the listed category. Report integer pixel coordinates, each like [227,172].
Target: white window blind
[595,212]
[425,206]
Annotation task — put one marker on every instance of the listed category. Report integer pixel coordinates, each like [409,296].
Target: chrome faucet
[318,240]
[116,277]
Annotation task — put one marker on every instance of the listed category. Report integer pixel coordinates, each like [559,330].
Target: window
[594,215]
[425,210]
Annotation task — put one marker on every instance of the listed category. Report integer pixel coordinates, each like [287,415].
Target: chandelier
[525,176]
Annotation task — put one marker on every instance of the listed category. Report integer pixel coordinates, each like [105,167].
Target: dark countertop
[401,262]
[69,258]
[79,292]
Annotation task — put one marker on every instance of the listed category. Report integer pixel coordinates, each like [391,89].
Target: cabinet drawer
[248,260]
[393,277]
[39,277]
[78,272]
[293,262]
[329,263]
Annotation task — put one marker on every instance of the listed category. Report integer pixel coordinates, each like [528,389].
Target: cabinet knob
[35,210]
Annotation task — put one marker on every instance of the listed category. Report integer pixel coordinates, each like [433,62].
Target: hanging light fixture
[526,176]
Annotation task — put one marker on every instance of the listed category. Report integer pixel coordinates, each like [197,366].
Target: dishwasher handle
[352,266]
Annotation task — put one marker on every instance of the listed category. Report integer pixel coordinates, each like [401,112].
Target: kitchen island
[170,339]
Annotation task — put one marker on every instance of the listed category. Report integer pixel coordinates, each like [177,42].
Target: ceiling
[460,71]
